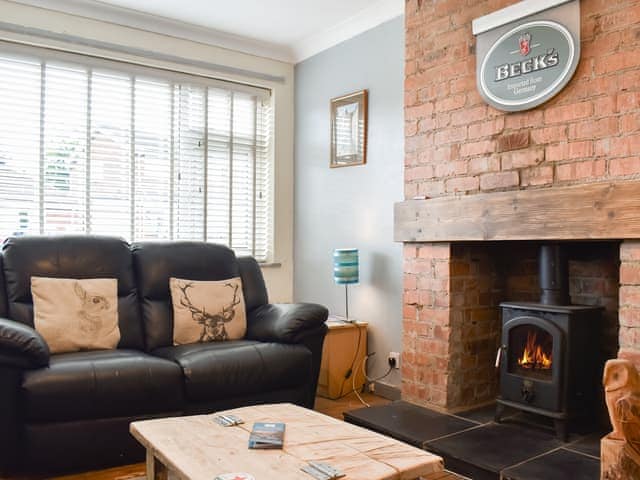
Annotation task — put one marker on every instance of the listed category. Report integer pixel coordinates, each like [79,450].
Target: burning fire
[533,356]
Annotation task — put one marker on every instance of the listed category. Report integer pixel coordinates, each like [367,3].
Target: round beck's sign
[527,65]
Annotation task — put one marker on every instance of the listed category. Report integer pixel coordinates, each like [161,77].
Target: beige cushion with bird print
[207,311]
[74,315]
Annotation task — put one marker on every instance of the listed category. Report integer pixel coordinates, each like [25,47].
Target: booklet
[266,435]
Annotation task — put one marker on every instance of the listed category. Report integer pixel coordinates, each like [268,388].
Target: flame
[533,356]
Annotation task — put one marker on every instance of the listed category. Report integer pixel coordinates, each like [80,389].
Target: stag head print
[213,324]
[92,309]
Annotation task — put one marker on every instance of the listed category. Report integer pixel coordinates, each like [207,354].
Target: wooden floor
[333,408]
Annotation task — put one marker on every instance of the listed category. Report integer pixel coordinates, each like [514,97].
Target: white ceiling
[289,30]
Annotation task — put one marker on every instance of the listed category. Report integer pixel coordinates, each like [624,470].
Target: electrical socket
[394,360]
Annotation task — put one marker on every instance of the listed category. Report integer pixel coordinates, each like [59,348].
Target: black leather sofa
[72,411]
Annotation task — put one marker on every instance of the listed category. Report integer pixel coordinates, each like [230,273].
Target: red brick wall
[594,279]
[455,144]
[630,301]
[476,291]
[426,338]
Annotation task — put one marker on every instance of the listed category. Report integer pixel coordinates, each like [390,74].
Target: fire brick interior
[486,274]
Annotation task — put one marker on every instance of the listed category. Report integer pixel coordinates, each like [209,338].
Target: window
[101,147]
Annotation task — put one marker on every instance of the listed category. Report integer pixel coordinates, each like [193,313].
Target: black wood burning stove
[549,357]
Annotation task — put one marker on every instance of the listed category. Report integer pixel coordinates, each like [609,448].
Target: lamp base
[340,318]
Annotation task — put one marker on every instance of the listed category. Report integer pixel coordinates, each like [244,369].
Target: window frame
[174,77]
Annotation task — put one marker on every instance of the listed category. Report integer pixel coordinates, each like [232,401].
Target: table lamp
[345,272]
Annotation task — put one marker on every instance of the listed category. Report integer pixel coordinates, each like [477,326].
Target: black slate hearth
[589,445]
[560,464]
[491,448]
[410,423]
[474,446]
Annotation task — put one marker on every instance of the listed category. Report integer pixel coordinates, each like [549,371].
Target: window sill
[270,264]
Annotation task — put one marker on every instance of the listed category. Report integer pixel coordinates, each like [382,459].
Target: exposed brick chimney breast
[455,144]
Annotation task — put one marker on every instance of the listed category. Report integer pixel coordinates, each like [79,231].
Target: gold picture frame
[349,130]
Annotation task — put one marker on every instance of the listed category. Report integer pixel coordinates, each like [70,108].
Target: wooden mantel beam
[595,211]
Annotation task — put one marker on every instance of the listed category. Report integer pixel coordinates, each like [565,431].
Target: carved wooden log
[620,450]
[615,464]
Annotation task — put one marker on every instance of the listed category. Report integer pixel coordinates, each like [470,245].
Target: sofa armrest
[21,346]
[285,323]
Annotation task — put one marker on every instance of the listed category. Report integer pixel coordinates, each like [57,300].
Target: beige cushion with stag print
[74,315]
[207,311]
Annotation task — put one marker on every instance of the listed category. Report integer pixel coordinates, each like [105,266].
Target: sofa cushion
[76,314]
[238,367]
[72,256]
[156,262]
[207,311]
[102,384]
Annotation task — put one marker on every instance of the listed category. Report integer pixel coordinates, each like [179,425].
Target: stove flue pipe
[554,275]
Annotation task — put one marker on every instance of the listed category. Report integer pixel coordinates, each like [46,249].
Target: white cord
[353,381]
[367,379]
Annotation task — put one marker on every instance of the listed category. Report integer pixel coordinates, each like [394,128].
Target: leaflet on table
[267,435]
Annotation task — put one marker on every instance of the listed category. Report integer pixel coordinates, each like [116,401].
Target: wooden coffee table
[197,448]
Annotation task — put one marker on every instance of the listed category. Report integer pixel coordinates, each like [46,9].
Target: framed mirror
[349,130]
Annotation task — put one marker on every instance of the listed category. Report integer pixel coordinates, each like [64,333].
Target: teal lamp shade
[345,266]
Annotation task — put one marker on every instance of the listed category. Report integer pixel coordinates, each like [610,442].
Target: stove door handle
[499,355]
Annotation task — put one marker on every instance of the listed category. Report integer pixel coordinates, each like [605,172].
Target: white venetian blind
[101,147]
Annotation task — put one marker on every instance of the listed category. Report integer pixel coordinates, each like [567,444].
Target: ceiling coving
[286,30]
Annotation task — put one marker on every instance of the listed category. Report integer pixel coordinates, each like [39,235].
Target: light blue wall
[352,206]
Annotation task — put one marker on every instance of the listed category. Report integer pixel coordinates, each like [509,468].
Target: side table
[345,347]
